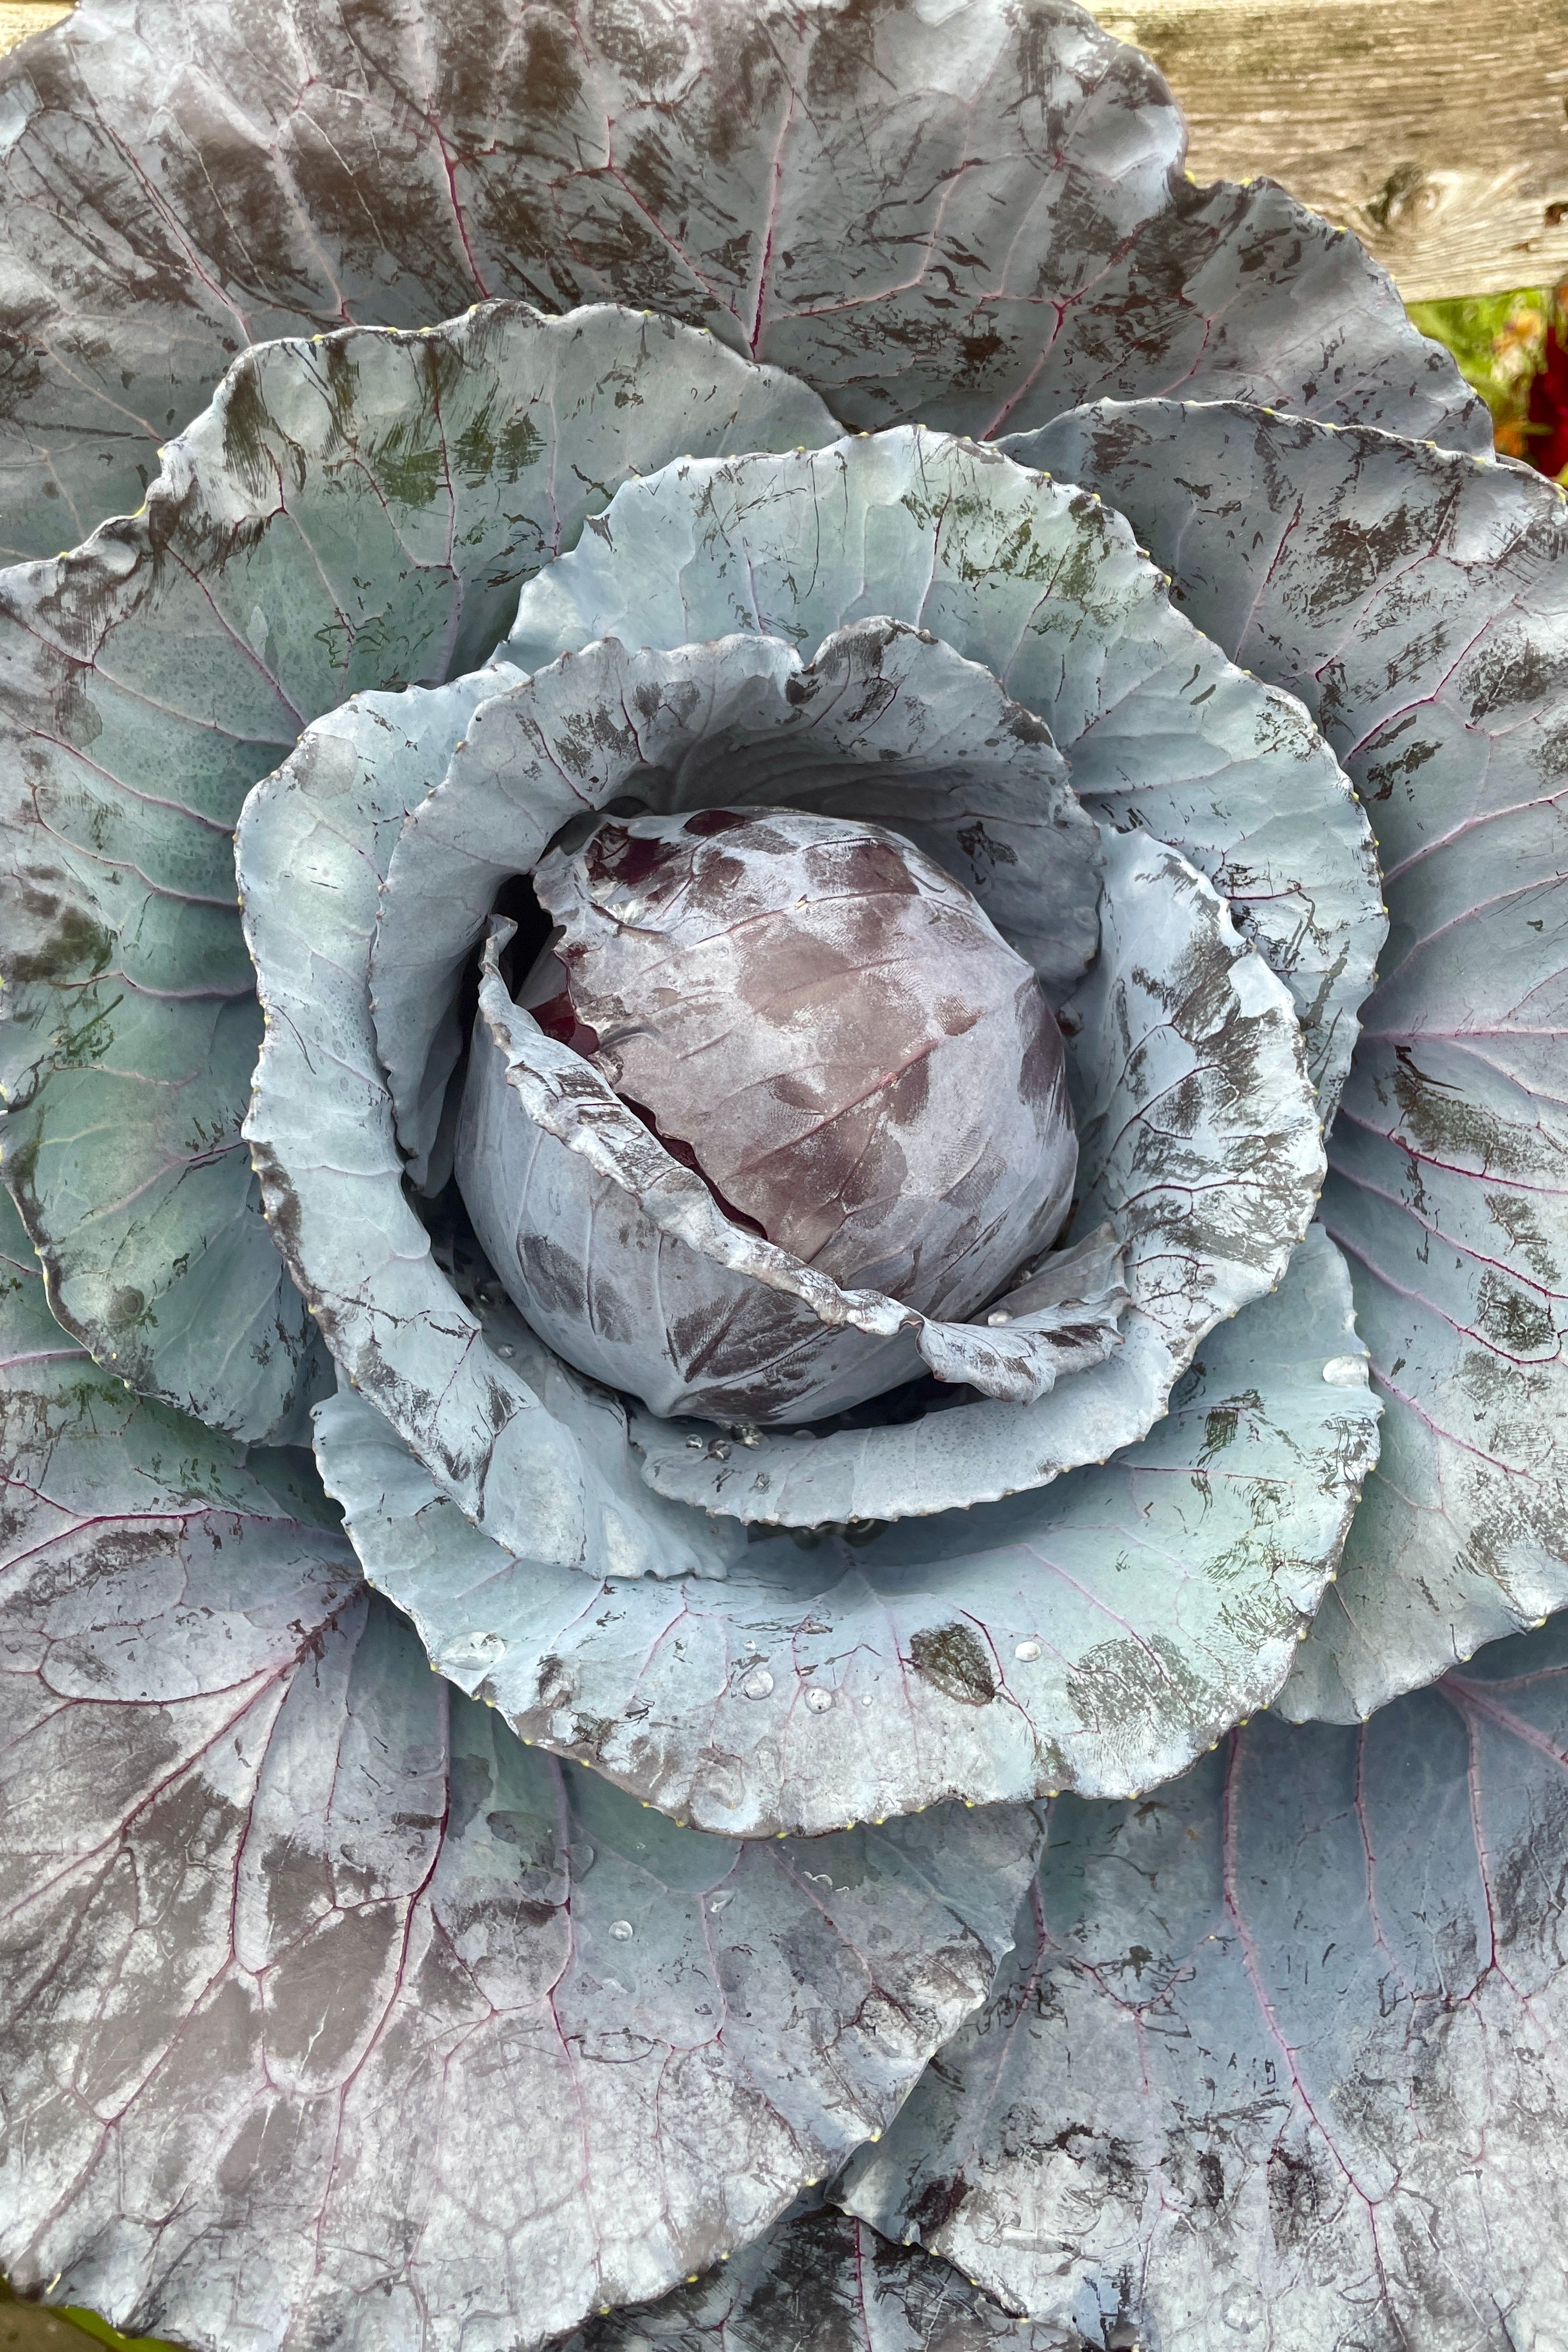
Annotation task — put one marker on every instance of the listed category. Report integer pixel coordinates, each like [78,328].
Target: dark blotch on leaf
[126,1308]
[957,1662]
[937,2203]
[69,945]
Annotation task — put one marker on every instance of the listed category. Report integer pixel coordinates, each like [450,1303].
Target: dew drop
[622,1930]
[996,1321]
[719,1896]
[1028,1652]
[1346,1371]
[582,1857]
[758,1684]
[866,1699]
[818,1699]
[474,1649]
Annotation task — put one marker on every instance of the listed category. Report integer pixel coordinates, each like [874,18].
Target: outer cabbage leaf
[1417,601]
[328,2010]
[355,512]
[820,2282]
[1045,588]
[1098,1635]
[1279,2057]
[962,210]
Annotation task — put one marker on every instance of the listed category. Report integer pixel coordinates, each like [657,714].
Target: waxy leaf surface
[350,514]
[314,841]
[1097,1634]
[962,210]
[1417,603]
[746,941]
[1279,2055]
[330,2011]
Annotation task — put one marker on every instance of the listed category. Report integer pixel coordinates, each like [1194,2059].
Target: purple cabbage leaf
[621,1256]
[1096,1634]
[1279,2050]
[1415,599]
[820,2277]
[350,514]
[972,215]
[296,1935]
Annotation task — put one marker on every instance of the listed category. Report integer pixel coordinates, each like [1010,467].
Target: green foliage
[1500,343]
[32,2327]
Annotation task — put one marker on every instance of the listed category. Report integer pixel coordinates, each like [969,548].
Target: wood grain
[1437,130]
[20,17]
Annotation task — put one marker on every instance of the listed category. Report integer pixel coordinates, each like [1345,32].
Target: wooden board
[1437,130]
[20,17]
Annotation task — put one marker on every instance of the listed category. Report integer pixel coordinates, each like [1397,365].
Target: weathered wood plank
[1437,129]
[20,17]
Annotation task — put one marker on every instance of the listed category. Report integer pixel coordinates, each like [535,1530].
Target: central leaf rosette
[815,1019]
[874,1087]
[834,1029]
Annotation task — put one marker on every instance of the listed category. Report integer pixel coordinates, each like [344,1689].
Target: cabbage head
[784,1219]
